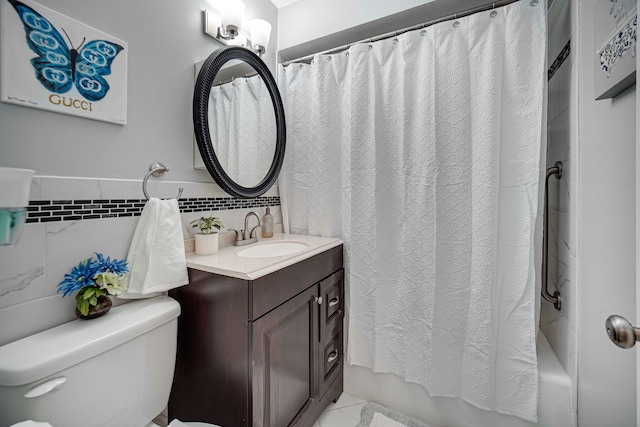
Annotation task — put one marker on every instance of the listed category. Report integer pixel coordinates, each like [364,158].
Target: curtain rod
[462,14]
[224,82]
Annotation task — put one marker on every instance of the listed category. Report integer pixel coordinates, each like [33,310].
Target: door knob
[622,332]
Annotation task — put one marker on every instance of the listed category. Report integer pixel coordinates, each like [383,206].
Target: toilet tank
[112,371]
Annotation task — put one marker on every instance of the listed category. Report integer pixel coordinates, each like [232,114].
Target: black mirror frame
[201,94]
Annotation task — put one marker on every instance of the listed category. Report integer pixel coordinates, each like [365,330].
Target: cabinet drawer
[332,307]
[331,355]
[268,292]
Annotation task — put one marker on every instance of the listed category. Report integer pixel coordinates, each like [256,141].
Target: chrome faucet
[244,237]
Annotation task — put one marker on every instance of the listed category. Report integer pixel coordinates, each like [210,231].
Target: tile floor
[344,413]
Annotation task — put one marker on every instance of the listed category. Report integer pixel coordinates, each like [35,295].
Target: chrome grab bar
[555,298]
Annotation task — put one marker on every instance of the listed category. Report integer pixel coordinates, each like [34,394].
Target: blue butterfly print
[59,67]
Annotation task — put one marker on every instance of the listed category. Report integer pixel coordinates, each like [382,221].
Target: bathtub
[555,407]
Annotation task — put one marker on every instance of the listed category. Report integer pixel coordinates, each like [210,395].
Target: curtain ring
[456,23]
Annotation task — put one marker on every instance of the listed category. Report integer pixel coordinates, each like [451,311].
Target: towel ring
[156,169]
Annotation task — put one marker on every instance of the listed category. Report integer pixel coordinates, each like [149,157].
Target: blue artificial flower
[80,276]
[107,265]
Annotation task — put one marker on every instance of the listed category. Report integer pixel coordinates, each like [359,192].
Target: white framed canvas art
[52,62]
[615,31]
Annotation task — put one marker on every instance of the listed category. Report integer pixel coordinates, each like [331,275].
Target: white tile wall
[560,327]
[22,268]
[31,270]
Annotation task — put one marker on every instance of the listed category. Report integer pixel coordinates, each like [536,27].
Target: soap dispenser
[267,224]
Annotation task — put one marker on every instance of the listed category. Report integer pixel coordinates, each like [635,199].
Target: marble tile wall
[31,270]
[560,327]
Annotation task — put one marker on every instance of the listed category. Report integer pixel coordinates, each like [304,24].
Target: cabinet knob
[334,301]
[332,356]
[318,300]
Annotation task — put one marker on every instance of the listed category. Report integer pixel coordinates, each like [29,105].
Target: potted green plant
[207,238]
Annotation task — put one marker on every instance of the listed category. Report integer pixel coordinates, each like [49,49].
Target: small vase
[206,244]
[100,309]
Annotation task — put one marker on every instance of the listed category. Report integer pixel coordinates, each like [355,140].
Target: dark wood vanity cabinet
[266,352]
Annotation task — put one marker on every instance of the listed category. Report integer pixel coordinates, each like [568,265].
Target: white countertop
[227,263]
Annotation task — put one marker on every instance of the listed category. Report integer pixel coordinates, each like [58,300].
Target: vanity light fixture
[260,32]
[226,27]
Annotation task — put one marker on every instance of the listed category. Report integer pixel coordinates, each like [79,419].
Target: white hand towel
[156,256]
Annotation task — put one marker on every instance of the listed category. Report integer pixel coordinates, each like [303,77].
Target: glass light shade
[260,32]
[233,13]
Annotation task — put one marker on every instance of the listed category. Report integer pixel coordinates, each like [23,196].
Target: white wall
[86,160]
[165,40]
[311,19]
[310,26]
[606,240]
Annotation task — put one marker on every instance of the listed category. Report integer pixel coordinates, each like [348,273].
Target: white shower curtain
[422,152]
[242,124]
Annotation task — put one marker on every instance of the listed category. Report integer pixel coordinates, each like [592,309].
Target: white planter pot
[206,244]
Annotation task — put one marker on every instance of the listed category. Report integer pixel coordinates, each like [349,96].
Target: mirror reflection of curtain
[243,129]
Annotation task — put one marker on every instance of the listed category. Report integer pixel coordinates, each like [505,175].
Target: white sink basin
[274,249]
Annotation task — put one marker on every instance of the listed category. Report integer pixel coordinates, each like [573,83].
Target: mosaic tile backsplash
[73,210]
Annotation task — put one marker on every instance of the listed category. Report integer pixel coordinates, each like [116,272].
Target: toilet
[112,371]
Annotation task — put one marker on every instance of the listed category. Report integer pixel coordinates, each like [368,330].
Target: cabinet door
[284,348]
[331,338]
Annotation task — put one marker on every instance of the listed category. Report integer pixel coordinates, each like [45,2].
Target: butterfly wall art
[52,62]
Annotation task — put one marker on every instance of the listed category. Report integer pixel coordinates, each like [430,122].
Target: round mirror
[238,119]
